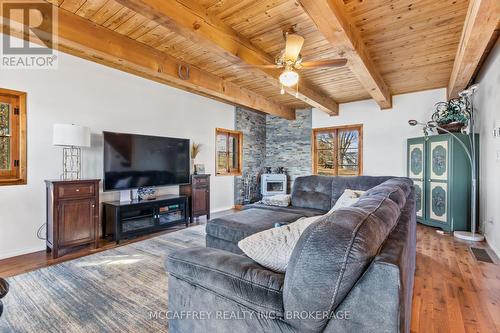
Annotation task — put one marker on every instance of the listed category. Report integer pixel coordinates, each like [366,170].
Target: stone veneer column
[253,126]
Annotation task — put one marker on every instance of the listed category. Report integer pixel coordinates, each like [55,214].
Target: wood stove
[273,184]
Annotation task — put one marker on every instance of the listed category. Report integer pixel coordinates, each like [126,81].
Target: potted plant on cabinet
[452,115]
[195,149]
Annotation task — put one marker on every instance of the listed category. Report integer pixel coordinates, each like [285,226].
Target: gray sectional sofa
[311,195]
[351,271]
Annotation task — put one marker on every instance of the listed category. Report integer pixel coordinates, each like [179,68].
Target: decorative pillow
[281,200]
[272,248]
[348,198]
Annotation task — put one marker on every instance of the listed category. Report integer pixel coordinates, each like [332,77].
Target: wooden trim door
[239,137]
[16,174]
[10,135]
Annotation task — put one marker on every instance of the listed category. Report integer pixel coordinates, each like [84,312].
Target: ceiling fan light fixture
[289,77]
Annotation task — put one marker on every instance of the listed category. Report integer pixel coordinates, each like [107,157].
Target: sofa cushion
[235,227]
[231,276]
[312,192]
[222,244]
[307,212]
[362,183]
[387,285]
[332,254]
[403,186]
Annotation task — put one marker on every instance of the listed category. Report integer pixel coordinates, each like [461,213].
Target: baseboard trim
[493,248]
[12,254]
[213,211]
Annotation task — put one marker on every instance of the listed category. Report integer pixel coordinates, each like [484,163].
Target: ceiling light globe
[289,78]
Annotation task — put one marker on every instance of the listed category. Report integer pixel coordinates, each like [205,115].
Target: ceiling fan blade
[324,63]
[293,46]
[262,66]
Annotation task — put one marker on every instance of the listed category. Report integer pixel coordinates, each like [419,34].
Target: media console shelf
[138,217]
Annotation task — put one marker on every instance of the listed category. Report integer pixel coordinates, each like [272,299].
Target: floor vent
[481,255]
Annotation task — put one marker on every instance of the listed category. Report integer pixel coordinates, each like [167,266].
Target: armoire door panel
[416,161]
[439,160]
[419,197]
[438,201]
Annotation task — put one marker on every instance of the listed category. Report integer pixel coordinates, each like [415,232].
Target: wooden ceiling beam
[481,24]
[330,18]
[193,23]
[90,41]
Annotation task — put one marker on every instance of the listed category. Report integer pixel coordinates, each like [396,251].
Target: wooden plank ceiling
[411,43]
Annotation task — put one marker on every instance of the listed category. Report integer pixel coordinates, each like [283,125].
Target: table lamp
[71,137]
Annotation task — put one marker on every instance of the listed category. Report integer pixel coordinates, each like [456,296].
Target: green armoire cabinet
[440,170]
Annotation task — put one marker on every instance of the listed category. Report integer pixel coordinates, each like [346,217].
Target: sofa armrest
[229,275]
[373,304]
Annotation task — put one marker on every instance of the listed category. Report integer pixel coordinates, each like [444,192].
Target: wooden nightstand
[198,193]
[72,214]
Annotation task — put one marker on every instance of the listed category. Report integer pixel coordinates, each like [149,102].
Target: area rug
[118,290]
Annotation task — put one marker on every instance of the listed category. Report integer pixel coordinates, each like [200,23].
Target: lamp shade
[289,77]
[71,135]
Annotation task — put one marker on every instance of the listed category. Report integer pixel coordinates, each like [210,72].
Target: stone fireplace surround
[271,141]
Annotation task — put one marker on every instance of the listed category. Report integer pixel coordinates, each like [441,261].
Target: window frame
[19,177]
[336,130]
[229,133]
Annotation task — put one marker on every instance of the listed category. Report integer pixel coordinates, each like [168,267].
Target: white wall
[385,131]
[85,93]
[487,106]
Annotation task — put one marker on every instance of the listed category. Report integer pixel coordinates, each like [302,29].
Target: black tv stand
[139,217]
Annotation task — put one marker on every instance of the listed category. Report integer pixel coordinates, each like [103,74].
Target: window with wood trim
[338,151]
[228,152]
[12,137]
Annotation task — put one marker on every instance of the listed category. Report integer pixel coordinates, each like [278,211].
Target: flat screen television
[133,161]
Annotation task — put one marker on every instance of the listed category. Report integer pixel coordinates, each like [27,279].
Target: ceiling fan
[291,60]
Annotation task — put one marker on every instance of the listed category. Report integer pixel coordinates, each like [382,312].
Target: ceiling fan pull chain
[282,89]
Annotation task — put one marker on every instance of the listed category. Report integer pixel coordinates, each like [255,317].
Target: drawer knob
[78,190]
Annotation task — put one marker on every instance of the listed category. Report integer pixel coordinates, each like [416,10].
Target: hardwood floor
[453,292]
[28,262]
